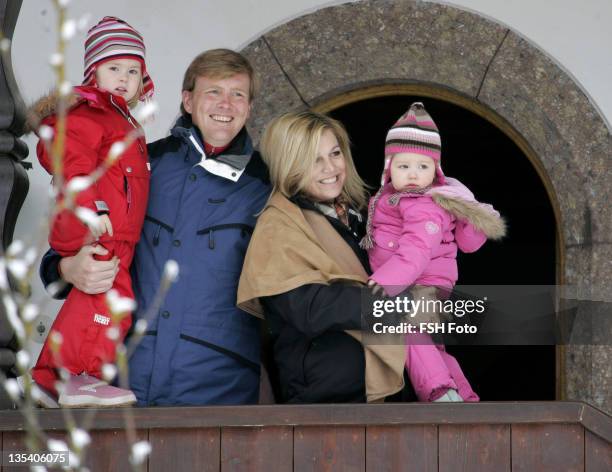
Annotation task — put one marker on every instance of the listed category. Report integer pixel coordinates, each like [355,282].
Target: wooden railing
[517,436]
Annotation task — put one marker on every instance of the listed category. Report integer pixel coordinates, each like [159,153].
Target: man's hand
[87,274]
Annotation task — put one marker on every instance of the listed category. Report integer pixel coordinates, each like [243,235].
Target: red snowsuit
[93,124]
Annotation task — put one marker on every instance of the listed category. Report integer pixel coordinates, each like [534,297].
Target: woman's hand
[87,274]
[376,289]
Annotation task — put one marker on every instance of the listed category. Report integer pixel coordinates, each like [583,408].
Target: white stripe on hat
[114,52]
[420,132]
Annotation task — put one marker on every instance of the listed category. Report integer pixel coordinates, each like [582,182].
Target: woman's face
[329,172]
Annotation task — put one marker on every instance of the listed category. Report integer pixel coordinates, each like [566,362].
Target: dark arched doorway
[497,171]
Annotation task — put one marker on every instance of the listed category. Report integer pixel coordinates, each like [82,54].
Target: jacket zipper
[127,116]
[130,120]
[126,184]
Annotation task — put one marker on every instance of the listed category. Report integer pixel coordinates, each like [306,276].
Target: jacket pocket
[225,245]
[216,201]
[221,350]
[136,177]
[245,230]
[158,226]
[385,240]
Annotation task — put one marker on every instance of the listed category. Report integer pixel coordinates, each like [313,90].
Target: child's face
[120,77]
[411,170]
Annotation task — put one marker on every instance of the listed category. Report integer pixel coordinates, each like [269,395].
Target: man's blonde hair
[290,145]
[218,64]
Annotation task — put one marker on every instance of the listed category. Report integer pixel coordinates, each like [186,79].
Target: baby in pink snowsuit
[416,222]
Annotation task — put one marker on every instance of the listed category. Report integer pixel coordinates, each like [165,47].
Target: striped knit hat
[415,132]
[113,38]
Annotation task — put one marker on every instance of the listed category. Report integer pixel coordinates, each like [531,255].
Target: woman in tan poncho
[305,270]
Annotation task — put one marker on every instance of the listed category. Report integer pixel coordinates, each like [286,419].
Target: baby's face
[412,171]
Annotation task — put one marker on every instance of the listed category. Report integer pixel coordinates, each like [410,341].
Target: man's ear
[187,95]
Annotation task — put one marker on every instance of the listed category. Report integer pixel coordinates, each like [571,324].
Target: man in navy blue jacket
[207,185]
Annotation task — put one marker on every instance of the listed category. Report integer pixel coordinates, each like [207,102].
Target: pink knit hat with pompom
[416,132]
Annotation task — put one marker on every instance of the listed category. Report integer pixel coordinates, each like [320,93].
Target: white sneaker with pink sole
[84,390]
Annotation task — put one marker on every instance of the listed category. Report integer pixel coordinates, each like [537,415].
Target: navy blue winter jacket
[199,348]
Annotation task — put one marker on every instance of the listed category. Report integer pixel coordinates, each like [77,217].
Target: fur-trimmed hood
[415,236]
[453,197]
[481,215]
[460,202]
[457,199]
[47,106]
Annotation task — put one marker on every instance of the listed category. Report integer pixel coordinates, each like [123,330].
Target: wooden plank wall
[421,448]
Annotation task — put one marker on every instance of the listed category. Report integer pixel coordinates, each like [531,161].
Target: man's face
[219,107]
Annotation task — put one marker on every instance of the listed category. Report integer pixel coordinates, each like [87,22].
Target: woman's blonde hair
[289,146]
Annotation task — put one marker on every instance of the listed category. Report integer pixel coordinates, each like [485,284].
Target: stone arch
[337,54]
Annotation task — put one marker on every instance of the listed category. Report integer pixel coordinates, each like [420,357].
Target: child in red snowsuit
[115,79]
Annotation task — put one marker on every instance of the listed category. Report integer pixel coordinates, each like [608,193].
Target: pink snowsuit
[415,243]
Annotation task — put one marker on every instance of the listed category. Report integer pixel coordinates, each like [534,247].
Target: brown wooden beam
[331,414]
